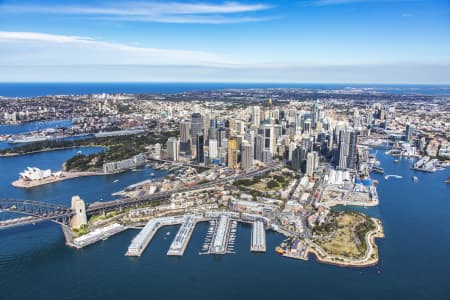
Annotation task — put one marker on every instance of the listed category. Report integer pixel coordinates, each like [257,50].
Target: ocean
[42,89]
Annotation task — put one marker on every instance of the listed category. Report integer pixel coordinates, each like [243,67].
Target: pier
[258,240]
[220,237]
[182,237]
[141,241]
[97,235]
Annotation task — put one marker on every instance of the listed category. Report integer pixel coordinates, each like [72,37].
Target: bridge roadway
[43,211]
[176,163]
[38,212]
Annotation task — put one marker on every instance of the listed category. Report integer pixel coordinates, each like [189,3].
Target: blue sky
[369,41]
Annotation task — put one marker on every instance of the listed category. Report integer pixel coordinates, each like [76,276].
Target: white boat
[28,139]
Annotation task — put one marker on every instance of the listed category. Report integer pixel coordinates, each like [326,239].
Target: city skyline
[336,41]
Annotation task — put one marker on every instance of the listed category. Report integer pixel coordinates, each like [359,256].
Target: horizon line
[224,82]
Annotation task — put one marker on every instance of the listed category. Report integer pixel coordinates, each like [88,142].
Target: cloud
[411,73]
[31,48]
[339,2]
[34,56]
[163,12]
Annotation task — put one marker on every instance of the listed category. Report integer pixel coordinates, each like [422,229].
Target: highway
[111,205]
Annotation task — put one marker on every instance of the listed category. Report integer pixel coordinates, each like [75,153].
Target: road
[110,205]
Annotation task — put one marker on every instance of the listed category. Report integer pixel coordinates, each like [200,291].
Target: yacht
[378,169]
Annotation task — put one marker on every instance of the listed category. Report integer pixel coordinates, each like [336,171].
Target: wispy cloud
[34,48]
[339,2]
[165,12]
[410,73]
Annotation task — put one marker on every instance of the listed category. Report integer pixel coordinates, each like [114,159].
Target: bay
[35,263]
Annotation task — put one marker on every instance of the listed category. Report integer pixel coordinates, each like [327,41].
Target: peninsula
[275,159]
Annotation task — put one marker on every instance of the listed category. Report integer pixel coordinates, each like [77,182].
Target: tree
[272,184]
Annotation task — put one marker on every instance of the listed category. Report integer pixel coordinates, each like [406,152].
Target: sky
[320,41]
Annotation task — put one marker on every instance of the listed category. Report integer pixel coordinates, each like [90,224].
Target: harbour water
[35,263]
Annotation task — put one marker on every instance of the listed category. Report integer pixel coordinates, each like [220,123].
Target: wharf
[220,236]
[141,241]
[96,236]
[258,239]
[182,237]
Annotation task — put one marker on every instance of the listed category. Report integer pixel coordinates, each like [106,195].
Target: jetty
[258,239]
[182,237]
[220,236]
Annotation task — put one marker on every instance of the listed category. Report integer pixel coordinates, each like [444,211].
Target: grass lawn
[344,241]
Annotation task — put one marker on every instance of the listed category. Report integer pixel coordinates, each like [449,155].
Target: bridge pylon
[79,207]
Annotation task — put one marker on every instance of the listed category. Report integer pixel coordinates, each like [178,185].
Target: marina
[141,241]
[208,237]
[232,237]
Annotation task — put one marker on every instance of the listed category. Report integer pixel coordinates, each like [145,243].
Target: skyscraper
[212,133]
[250,137]
[408,132]
[315,115]
[291,149]
[213,121]
[172,148]
[232,153]
[185,136]
[256,116]
[196,125]
[297,158]
[344,140]
[347,149]
[246,156]
[239,127]
[269,138]
[310,164]
[206,124]
[221,135]
[200,155]
[259,147]
[212,148]
[352,150]
[307,127]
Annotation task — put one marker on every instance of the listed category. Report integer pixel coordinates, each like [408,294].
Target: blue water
[414,264]
[34,126]
[41,89]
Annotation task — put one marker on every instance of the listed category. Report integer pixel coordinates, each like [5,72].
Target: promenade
[21,183]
